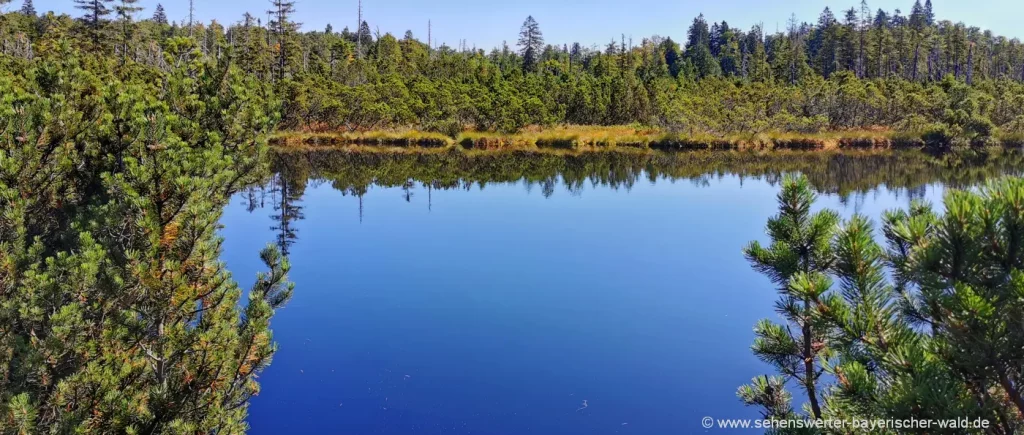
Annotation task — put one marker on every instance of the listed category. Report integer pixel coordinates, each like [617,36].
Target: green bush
[938,137]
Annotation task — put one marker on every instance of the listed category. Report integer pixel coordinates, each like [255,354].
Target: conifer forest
[127,138]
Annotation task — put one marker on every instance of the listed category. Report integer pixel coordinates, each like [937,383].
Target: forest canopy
[858,69]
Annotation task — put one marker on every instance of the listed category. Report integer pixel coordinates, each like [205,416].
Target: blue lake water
[517,307]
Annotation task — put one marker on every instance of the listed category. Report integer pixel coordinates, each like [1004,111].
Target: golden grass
[575,137]
[378,138]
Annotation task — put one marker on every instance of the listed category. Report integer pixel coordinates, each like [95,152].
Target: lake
[522,293]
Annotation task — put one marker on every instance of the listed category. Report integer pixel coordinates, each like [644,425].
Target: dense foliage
[861,70]
[121,139]
[116,315]
[927,327]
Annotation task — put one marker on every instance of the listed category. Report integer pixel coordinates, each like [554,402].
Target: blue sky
[488,23]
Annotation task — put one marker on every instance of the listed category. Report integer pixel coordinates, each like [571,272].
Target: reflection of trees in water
[255,198]
[548,186]
[829,172]
[287,186]
[850,175]
[407,190]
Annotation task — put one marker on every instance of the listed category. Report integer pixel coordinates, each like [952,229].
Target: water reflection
[852,176]
[500,311]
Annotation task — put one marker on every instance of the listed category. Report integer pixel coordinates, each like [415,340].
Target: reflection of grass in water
[355,169]
[604,137]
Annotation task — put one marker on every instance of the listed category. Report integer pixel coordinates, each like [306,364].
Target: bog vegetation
[122,136]
[860,69]
[116,314]
[925,327]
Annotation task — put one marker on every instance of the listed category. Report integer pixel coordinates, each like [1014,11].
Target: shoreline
[587,138]
[837,171]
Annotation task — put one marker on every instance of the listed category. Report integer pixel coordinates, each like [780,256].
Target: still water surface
[551,301]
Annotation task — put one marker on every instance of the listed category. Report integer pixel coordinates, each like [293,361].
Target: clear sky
[487,23]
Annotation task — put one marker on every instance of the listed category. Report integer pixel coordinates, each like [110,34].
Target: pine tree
[159,16]
[796,260]
[925,328]
[28,9]
[389,54]
[531,42]
[973,250]
[885,367]
[139,329]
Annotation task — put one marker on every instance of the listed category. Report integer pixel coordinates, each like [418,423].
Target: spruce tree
[94,16]
[159,16]
[672,56]
[863,26]
[364,37]
[725,48]
[826,44]
[698,49]
[758,68]
[795,56]
[28,9]
[531,43]
[918,16]
[284,29]
[126,10]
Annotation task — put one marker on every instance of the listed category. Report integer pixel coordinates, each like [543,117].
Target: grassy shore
[602,137]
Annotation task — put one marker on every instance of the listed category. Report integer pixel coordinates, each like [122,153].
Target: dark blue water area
[503,311]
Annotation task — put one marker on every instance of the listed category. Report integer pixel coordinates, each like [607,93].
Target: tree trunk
[1011,390]
[917,54]
[931,72]
[812,394]
[970,64]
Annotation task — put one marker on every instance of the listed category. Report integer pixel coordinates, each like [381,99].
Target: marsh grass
[408,138]
[581,138]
